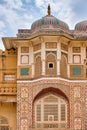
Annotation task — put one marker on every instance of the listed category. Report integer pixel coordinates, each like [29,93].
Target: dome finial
[49,9]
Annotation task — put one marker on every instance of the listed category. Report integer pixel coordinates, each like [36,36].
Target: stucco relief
[77,92]
[24,109]
[77,109]
[24,92]
[40,86]
[22,106]
[78,99]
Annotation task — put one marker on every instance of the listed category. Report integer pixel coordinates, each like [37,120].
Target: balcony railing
[8,90]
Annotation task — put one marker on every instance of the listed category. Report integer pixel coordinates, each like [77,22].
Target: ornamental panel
[24,92]
[24,49]
[77,92]
[64,47]
[76,59]
[51,45]
[24,59]
[77,109]
[24,71]
[37,47]
[77,124]
[76,71]
[24,109]
[24,124]
[76,49]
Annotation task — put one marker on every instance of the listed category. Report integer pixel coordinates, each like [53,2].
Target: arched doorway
[51,111]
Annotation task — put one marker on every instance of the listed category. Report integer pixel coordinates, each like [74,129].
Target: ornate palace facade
[43,77]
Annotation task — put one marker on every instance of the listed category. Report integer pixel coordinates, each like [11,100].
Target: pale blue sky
[18,14]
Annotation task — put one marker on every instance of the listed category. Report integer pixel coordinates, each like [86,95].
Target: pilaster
[31,59]
[58,57]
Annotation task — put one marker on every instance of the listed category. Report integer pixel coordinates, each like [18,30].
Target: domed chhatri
[49,22]
[81,26]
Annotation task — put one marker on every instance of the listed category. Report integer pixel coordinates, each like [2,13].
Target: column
[68,70]
[19,55]
[69,60]
[70,55]
[83,54]
[43,57]
[31,59]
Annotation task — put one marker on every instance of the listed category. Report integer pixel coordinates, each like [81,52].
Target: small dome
[49,22]
[81,26]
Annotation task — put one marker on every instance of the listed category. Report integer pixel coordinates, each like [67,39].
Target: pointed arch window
[51,66]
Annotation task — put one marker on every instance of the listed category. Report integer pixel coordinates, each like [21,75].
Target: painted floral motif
[24,92]
[77,92]
[24,124]
[77,108]
[24,109]
[77,123]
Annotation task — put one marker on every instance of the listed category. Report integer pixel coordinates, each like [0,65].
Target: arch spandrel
[46,91]
[38,89]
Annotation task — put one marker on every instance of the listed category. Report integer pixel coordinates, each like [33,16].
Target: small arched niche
[63,66]
[38,66]
[51,64]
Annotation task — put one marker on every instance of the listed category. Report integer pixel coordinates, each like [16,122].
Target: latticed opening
[51,112]
[4,124]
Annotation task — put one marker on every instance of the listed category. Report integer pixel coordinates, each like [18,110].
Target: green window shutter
[76,71]
[24,71]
